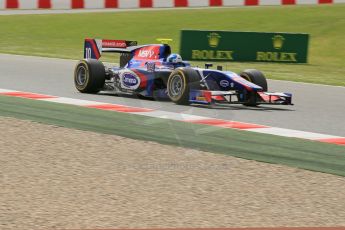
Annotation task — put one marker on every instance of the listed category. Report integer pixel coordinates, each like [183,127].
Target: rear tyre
[179,84]
[258,78]
[89,76]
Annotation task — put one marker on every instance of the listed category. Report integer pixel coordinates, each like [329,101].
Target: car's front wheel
[179,84]
[89,76]
[258,78]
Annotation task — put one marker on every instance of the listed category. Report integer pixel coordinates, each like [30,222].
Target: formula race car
[152,71]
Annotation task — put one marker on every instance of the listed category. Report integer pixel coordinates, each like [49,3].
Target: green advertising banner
[244,46]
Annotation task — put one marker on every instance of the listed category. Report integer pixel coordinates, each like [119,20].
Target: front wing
[233,97]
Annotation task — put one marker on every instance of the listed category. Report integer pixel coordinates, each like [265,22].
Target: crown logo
[213,39]
[278,41]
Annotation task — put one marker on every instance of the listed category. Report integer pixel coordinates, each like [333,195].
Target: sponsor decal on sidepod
[130,80]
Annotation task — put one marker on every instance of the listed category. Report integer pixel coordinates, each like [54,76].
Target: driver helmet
[174,58]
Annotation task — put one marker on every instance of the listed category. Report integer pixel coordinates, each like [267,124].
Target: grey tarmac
[318,108]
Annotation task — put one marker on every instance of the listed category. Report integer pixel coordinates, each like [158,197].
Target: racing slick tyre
[89,76]
[179,84]
[258,78]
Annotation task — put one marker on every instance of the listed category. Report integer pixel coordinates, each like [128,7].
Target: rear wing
[93,48]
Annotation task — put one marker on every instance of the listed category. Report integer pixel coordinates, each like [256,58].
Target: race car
[152,71]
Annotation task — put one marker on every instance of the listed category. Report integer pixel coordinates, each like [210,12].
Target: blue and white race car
[152,71]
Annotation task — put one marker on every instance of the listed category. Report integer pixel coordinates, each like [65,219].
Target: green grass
[293,152]
[62,35]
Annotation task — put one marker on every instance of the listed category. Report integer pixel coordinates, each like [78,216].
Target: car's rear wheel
[89,76]
[258,78]
[179,84]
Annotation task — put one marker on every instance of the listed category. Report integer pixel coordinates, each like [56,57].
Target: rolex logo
[213,39]
[278,41]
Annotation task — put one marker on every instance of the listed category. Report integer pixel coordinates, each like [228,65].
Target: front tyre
[179,84]
[89,76]
[258,78]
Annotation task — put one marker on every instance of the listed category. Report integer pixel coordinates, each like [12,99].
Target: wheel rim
[176,86]
[81,75]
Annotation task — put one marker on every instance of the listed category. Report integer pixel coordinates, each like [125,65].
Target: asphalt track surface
[318,108]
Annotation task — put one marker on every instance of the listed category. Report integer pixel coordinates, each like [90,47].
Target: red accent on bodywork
[216,3]
[143,79]
[251,2]
[338,141]
[77,4]
[111,4]
[147,53]
[106,43]
[289,2]
[181,3]
[28,95]
[218,98]
[267,97]
[241,81]
[145,3]
[207,95]
[119,108]
[227,124]
[94,47]
[44,4]
[325,1]
[12,4]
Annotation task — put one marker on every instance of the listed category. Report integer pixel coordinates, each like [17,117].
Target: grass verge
[293,152]
[61,35]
